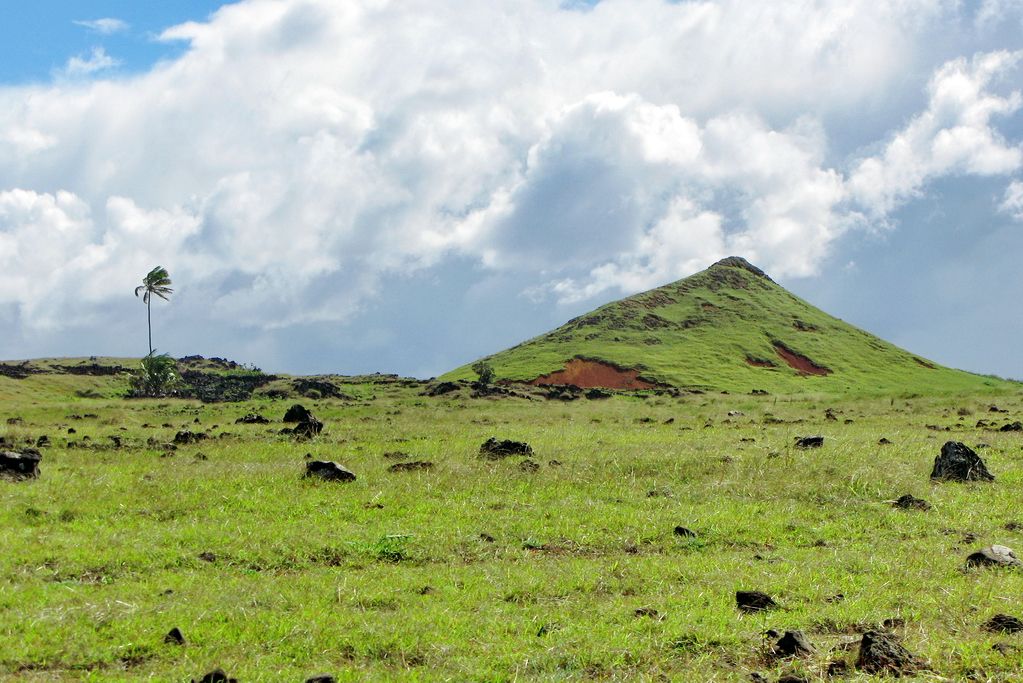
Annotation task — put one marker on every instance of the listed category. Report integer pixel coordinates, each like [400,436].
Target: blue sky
[39,37]
[403,187]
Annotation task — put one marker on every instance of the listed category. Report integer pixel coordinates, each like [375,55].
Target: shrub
[157,375]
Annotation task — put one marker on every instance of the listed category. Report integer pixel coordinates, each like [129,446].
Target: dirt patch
[760,362]
[921,361]
[800,362]
[588,374]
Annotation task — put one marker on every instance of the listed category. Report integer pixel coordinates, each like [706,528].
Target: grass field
[484,571]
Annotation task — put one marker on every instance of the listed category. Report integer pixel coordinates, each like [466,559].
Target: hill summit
[730,328]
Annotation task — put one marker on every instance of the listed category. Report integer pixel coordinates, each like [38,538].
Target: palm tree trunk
[149,323]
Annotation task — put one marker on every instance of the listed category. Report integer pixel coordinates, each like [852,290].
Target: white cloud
[954,135]
[105,26]
[81,65]
[1013,202]
[299,154]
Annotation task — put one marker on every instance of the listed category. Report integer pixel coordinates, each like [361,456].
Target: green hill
[730,328]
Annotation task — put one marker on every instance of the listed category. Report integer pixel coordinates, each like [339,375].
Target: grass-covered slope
[730,327]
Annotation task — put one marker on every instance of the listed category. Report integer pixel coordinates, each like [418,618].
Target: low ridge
[731,328]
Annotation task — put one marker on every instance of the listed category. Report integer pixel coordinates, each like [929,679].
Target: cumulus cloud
[1013,202]
[300,153]
[105,26]
[954,135]
[85,65]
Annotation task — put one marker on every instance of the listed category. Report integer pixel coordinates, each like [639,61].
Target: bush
[484,371]
[157,375]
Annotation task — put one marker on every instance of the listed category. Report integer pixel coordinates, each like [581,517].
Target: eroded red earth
[589,374]
[800,362]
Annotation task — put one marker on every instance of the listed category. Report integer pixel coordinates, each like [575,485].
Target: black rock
[492,449]
[685,532]
[185,437]
[792,678]
[794,644]
[440,388]
[174,637]
[216,676]
[881,654]
[411,466]
[297,413]
[308,428]
[529,466]
[994,556]
[909,502]
[596,394]
[958,462]
[809,442]
[20,465]
[321,678]
[42,441]
[1012,427]
[252,419]
[754,601]
[1003,623]
[328,470]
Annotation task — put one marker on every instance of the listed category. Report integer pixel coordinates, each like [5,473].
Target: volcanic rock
[440,388]
[297,413]
[793,644]
[321,678]
[754,601]
[328,470]
[994,556]
[910,502]
[1003,623]
[252,419]
[410,466]
[20,465]
[810,442]
[881,654]
[185,436]
[216,676]
[958,462]
[1012,427]
[174,637]
[684,532]
[492,449]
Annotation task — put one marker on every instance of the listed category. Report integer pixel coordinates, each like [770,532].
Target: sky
[404,187]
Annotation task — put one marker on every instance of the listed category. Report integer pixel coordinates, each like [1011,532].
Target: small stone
[321,678]
[754,601]
[910,502]
[252,419]
[1012,427]
[838,667]
[809,442]
[684,532]
[994,556]
[883,442]
[794,644]
[647,612]
[1003,623]
[174,637]
[881,654]
[792,678]
[328,470]
[529,466]
[411,466]
[207,556]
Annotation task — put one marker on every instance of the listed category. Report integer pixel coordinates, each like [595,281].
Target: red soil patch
[589,374]
[760,362]
[799,362]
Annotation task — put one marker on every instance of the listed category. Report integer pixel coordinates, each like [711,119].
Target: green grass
[699,332]
[390,577]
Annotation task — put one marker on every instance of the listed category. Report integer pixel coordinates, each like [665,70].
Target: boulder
[328,470]
[297,413]
[440,388]
[880,654]
[809,442]
[958,462]
[20,465]
[1012,427]
[185,436]
[994,556]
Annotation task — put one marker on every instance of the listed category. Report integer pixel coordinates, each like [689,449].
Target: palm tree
[156,282]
